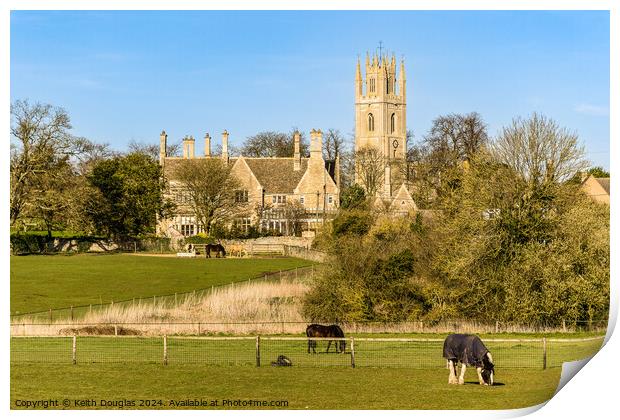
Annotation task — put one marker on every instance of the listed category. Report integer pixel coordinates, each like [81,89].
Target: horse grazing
[469,351]
[217,248]
[316,330]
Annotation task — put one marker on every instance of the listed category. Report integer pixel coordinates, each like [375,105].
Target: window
[371,123]
[387,85]
[241,196]
[393,123]
[302,200]
[372,85]
[278,199]
[330,199]
[187,230]
[243,224]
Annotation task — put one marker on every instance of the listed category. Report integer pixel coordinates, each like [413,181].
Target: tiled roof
[171,163]
[277,175]
[604,182]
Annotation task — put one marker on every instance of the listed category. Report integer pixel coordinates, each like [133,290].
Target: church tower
[380,107]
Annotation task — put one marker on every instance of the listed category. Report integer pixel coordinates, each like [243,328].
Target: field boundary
[411,352]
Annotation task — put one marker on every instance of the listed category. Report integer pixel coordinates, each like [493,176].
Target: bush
[351,222]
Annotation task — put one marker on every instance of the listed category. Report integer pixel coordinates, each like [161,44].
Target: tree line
[60,181]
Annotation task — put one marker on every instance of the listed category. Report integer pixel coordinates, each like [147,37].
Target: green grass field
[387,375]
[301,387]
[42,282]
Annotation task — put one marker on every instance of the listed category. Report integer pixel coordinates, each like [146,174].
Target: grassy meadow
[303,387]
[56,281]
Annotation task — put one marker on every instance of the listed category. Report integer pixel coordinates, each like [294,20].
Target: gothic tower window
[372,85]
[387,85]
[371,123]
[393,123]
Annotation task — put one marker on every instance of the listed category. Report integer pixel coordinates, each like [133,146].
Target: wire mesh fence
[535,353]
[164,326]
[77,312]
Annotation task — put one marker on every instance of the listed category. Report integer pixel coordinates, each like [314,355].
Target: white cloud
[589,109]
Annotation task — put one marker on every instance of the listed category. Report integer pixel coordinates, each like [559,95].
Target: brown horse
[316,330]
[217,248]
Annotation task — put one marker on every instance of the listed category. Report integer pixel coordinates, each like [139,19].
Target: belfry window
[372,85]
[371,123]
[393,123]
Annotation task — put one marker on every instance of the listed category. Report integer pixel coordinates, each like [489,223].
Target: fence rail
[38,327]
[260,351]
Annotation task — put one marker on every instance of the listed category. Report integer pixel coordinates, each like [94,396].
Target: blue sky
[125,76]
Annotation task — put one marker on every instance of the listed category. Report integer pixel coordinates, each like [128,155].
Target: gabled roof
[604,182]
[277,175]
[403,201]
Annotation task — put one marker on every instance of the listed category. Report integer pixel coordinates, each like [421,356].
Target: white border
[591,394]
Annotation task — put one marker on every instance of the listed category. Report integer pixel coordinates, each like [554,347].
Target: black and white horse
[469,350]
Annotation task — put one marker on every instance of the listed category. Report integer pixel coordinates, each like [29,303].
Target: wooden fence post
[50,315]
[73,351]
[165,350]
[199,328]
[352,352]
[71,313]
[115,330]
[544,343]
[258,351]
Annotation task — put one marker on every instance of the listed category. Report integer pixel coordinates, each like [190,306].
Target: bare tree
[454,138]
[370,169]
[333,144]
[212,190]
[294,213]
[539,150]
[272,144]
[152,150]
[40,142]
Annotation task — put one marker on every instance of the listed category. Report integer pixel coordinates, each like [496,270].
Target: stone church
[271,185]
[381,132]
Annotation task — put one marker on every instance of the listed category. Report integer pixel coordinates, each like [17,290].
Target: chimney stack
[207,145]
[225,145]
[188,147]
[297,154]
[316,144]
[163,140]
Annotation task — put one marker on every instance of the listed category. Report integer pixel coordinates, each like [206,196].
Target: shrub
[351,222]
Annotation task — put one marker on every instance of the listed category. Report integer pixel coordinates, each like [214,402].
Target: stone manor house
[271,185]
